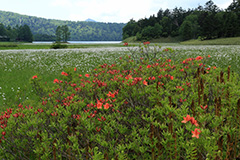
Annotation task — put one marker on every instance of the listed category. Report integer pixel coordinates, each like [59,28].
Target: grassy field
[15,45]
[18,66]
[220,41]
[161,102]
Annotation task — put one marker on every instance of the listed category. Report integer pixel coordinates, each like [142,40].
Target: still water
[84,42]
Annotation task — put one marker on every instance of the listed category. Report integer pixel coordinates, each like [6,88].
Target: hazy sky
[99,10]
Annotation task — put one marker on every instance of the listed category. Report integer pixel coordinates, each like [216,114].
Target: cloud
[111,11]
[62,3]
[121,11]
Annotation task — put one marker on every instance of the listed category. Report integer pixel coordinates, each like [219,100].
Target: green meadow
[18,66]
[98,102]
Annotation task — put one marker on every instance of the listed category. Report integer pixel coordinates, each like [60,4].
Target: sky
[120,11]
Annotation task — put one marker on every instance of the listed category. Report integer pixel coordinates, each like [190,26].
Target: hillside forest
[45,29]
[203,22]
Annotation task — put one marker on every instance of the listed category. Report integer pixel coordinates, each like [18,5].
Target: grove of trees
[204,22]
[62,33]
[17,33]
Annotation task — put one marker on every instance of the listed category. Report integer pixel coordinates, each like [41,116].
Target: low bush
[58,46]
[131,109]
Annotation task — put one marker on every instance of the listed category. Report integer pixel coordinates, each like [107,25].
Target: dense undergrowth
[139,107]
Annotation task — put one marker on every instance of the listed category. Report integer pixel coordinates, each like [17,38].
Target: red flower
[125,44]
[196,133]
[75,69]
[34,77]
[56,81]
[145,43]
[98,129]
[171,77]
[205,107]
[191,119]
[3,133]
[110,95]
[194,122]
[199,58]
[186,119]
[87,75]
[64,73]
[99,105]
[209,56]
[145,82]
[106,106]
[148,66]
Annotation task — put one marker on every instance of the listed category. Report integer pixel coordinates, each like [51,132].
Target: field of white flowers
[18,66]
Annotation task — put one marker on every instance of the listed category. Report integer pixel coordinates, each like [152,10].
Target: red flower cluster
[151,78]
[100,104]
[187,60]
[102,119]
[125,44]
[197,131]
[64,74]
[34,77]
[198,58]
[110,94]
[146,43]
[77,117]
[191,119]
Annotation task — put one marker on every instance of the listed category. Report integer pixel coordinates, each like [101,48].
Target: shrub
[58,46]
[129,110]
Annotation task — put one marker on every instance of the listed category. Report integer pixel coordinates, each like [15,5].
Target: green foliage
[58,45]
[80,31]
[209,22]
[62,33]
[44,37]
[129,110]
[22,33]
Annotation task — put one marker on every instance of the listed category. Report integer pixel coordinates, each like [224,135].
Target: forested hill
[203,22]
[81,30]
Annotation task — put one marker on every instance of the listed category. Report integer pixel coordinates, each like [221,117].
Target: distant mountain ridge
[90,20]
[80,31]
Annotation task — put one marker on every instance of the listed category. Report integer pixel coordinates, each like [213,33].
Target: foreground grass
[220,41]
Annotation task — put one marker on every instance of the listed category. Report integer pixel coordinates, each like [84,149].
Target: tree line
[17,33]
[45,29]
[203,22]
